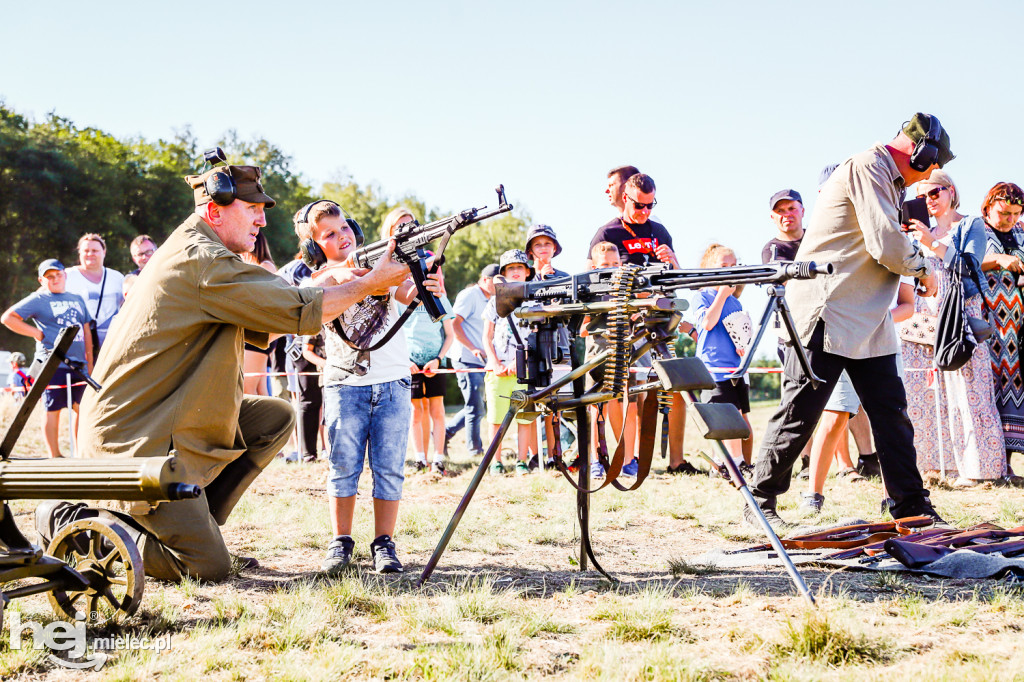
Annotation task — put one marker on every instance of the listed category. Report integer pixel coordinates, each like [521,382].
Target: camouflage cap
[514,256]
[247,182]
[917,129]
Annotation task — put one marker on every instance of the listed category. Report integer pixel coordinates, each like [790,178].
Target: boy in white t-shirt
[367,405]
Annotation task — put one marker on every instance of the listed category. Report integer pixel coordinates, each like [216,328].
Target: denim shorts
[844,397]
[56,399]
[372,420]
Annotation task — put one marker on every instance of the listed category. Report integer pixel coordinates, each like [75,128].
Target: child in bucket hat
[500,347]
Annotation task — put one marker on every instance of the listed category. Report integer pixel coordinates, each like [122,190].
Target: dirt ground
[508,600]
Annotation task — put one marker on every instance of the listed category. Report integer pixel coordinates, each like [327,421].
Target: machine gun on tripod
[621,294]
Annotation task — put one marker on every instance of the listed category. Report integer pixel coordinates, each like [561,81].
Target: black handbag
[954,338]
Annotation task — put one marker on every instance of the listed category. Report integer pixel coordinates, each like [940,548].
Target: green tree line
[59,181]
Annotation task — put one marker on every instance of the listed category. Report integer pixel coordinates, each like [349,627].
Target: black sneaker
[778,524]
[685,469]
[437,467]
[868,466]
[385,560]
[925,508]
[339,555]
[534,463]
[747,470]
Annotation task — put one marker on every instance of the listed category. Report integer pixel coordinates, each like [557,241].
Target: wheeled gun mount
[90,564]
[411,237]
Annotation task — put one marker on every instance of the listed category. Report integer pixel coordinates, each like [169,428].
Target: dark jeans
[884,399]
[471,416]
[310,400]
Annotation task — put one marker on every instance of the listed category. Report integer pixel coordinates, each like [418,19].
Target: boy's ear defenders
[311,252]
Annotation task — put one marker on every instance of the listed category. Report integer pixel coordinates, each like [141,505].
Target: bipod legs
[736,479]
[481,471]
[582,494]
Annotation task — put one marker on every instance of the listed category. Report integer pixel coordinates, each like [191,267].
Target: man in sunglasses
[843,320]
[640,240]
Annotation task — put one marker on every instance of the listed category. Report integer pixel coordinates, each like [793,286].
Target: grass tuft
[817,639]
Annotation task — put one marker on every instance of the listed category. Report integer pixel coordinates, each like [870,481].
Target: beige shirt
[855,226]
[171,368]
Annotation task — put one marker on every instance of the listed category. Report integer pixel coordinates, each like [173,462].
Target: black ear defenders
[926,151]
[219,186]
[311,252]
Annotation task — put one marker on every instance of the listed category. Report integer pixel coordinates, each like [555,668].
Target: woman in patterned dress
[957,430]
[1003,265]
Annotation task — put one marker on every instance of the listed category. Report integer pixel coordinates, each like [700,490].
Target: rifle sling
[340,331]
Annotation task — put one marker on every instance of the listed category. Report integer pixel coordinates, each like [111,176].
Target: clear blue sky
[722,103]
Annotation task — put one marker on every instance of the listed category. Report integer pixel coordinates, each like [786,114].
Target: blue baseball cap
[49,264]
[790,194]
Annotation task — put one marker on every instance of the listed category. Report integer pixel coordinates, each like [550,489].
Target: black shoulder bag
[955,337]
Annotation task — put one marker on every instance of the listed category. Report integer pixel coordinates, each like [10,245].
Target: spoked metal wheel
[106,555]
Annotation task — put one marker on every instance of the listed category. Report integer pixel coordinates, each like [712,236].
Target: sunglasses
[640,206]
[932,194]
[1013,201]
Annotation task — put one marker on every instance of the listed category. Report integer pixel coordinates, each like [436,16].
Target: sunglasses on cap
[932,193]
[639,206]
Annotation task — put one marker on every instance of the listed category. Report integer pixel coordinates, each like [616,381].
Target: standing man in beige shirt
[844,321]
[171,373]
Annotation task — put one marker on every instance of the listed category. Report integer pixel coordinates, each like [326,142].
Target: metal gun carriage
[91,566]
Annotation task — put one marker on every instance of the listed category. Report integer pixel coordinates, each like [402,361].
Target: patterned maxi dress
[965,422]
[1006,307]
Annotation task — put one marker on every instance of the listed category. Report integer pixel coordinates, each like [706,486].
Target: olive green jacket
[171,367]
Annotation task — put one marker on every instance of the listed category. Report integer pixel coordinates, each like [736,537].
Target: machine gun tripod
[91,565]
[564,302]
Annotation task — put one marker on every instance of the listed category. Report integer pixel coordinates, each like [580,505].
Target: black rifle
[411,237]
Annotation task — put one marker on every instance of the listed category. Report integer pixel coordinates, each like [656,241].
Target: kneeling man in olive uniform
[171,372]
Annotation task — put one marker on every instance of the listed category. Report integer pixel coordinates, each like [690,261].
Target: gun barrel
[150,479]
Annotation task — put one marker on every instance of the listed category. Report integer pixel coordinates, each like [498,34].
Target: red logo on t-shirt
[639,245]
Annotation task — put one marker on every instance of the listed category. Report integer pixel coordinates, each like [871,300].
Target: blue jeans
[372,420]
[472,415]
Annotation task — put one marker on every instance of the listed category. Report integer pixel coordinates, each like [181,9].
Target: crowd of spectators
[391,399]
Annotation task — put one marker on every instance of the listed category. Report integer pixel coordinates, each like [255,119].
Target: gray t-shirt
[470,305]
[51,313]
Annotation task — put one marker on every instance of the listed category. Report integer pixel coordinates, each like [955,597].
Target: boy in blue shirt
[723,334]
[51,309]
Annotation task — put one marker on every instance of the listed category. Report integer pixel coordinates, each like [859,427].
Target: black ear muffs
[220,187]
[312,254]
[926,151]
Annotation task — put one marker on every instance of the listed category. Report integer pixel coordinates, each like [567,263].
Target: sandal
[850,474]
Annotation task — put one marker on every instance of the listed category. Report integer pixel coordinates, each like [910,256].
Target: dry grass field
[508,601]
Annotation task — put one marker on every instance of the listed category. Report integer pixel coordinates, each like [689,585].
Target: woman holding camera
[1003,267]
[956,423]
